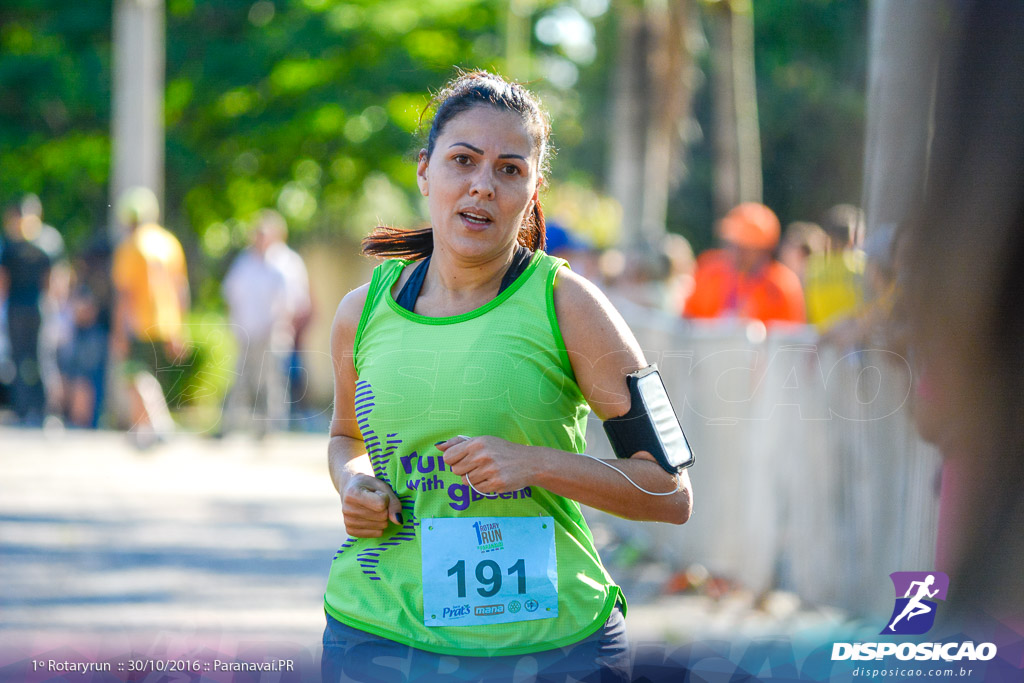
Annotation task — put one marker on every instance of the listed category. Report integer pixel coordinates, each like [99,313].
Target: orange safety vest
[772,293]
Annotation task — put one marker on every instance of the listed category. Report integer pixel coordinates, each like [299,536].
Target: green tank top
[499,370]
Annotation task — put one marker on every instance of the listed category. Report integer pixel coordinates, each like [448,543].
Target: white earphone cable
[586,455]
[638,487]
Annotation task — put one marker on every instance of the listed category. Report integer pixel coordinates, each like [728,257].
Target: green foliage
[305,106]
[311,106]
[811,61]
[55,109]
[812,73]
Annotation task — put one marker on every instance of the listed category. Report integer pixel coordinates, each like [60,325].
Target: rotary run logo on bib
[488,537]
[916,593]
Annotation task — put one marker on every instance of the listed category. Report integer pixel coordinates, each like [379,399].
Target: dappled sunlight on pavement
[231,540]
[196,537]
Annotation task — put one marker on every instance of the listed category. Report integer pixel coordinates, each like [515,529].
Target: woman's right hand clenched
[368,505]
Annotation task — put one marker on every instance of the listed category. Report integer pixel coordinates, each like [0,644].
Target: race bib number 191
[488,570]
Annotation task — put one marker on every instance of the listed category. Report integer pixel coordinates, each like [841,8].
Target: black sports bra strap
[520,260]
[410,291]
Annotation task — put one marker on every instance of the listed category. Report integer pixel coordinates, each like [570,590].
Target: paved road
[195,537]
[226,542]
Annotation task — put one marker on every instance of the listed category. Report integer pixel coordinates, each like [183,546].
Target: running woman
[464,372]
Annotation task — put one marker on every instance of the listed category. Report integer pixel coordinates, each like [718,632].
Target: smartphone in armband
[650,425]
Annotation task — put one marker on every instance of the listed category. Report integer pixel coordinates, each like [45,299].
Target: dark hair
[468,90]
[843,224]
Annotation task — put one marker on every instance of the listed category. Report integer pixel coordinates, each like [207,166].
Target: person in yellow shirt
[151,285]
[834,279]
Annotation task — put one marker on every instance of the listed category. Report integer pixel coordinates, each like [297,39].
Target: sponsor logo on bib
[489,610]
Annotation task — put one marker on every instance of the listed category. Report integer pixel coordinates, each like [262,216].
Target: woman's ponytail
[537,229]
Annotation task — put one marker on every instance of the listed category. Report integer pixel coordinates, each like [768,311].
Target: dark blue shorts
[354,655]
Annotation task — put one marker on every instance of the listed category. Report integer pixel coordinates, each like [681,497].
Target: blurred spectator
[742,279]
[91,300]
[642,278]
[57,338]
[7,372]
[834,280]
[300,305]
[872,322]
[45,236]
[24,279]
[681,271]
[151,299]
[564,243]
[257,295]
[54,328]
[879,262]
[801,240]
[659,279]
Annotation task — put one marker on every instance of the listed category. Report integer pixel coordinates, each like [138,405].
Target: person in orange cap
[742,279]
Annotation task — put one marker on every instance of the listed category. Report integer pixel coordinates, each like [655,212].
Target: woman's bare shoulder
[586,316]
[600,345]
[347,315]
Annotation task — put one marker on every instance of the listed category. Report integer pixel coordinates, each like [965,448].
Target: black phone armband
[650,425]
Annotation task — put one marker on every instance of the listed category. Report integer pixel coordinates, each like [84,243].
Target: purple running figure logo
[914,611]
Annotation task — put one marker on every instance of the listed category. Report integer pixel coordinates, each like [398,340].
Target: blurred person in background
[55,328]
[57,338]
[963,298]
[742,280]
[257,295]
[565,243]
[800,241]
[834,280]
[880,262]
[658,279]
[45,236]
[7,373]
[24,280]
[90,304]
[642,280]
[152,295]
[300,307]
[683,266]
[872,322]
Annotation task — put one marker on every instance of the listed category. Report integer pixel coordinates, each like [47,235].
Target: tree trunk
[138,106]
[629,113]
[651,93]
[736,138]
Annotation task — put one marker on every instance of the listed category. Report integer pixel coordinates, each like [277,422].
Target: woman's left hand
[491,464]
